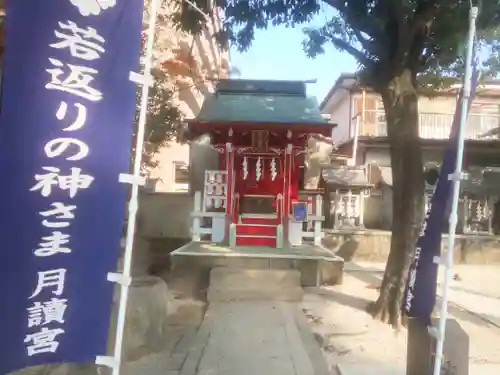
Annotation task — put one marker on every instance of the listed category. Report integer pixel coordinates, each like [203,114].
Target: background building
[193,64]
[361,133]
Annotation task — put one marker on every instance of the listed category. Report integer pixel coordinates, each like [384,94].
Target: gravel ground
[350,336]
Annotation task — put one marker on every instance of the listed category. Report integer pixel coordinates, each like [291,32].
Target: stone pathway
[240,338]
[168,361]
[251,338]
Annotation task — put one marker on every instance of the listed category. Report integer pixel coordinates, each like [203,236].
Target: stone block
[229,284]
[268,294]
[281,264]
[146,322]
[456,348]
[421,348]
[309,272]
[187,312]
[222,276]
[331,272]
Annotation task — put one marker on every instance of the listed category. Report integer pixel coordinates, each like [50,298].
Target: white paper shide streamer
[274,173]
[258,170]
[245,168]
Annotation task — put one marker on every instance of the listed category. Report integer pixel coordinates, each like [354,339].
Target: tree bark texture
[401,109]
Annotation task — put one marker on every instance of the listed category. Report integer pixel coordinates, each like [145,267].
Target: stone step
[231,284]
[227,276]
[273,294]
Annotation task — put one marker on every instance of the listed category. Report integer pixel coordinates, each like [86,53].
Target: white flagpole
[456,177]
[136,180]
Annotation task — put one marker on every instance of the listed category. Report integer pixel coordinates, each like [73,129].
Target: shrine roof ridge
[261,102]
[259,87]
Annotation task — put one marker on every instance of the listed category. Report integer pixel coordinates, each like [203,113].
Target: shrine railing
[311,228]
[209,211]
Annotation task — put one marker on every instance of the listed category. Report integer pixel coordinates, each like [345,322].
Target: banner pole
[145,80]
[456,177]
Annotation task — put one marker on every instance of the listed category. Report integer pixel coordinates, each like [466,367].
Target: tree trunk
[401,110]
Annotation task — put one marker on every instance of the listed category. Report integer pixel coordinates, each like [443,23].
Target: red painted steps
[256,234]
[258,229]
[261,221]
[256,241]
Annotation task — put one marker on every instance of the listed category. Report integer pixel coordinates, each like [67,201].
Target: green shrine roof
[251,101]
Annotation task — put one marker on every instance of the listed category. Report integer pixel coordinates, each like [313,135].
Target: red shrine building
[261,131]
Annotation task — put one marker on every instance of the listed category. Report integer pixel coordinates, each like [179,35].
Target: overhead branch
[365,43]
[357,54]
[424,15]
[397,12]
[360,23]
[412,40]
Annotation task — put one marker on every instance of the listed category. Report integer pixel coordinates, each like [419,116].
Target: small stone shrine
[346,187]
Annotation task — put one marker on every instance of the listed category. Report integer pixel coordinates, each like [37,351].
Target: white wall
[339,108]
[342,117]
[165,173]
[318,155]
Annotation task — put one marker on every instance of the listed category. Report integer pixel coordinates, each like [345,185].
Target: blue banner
[420,294]
[65,136]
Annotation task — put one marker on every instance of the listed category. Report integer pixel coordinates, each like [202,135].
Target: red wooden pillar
[287,189]
[230,187]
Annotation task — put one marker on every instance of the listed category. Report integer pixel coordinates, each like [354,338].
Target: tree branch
[413,36]
[360,23]
[365,43]
[357,54]
[397,12]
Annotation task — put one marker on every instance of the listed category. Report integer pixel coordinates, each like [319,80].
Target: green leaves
[163,121]
[385,36]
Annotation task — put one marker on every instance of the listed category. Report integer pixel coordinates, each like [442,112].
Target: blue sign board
[65,136]
[299,211]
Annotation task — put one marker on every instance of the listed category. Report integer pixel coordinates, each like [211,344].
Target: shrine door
[258,210]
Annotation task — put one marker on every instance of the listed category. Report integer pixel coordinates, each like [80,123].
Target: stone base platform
[317,266]
[374,246]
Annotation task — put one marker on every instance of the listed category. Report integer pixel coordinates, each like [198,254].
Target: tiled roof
[344,176]
[272,102]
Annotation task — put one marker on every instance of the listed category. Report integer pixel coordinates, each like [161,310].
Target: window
[181,176]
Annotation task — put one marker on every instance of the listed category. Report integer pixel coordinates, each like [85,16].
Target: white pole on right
[456,177]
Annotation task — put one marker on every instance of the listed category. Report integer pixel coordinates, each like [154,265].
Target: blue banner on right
[420,294]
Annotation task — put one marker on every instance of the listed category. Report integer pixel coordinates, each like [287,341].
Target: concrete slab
[238,284]
[378,369]
[316,264]
[484,369]
[250,338]
[292,252]
[369,369]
